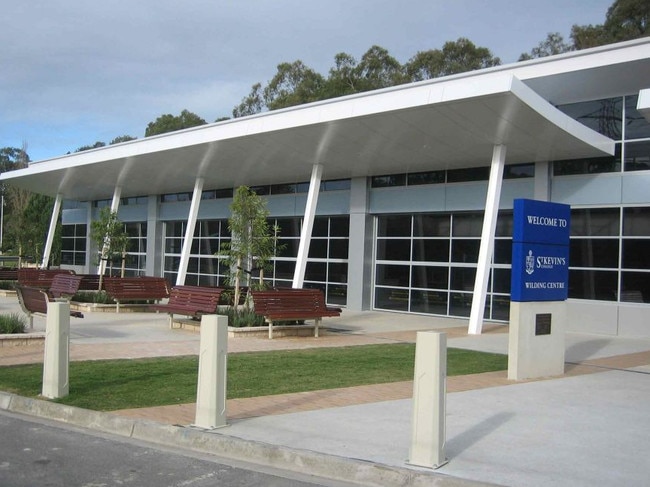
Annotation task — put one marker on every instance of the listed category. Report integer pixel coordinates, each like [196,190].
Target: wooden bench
[143,288]
[192,301]
[89,282]
[8,274]
[42,278]
[288,304]
[64,286]
[33,300]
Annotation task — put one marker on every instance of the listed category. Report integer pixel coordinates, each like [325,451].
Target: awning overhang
[425,126]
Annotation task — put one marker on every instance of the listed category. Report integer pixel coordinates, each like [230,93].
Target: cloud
[110,67]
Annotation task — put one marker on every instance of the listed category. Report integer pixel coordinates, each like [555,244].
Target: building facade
[399,218]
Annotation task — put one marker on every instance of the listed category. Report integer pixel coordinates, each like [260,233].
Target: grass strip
[106,385]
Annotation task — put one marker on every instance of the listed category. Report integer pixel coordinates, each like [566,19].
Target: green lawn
[106,385]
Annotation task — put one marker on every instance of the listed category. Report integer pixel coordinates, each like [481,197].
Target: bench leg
[316,324]
[171,321]
[270,329]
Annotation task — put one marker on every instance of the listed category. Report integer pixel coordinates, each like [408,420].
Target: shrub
[98,297]
[13,323]
[241,317]
[8,285]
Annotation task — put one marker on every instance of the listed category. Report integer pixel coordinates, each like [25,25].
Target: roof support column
[50,233]
[189,231]
[307,226]
[487,240]
[115,206]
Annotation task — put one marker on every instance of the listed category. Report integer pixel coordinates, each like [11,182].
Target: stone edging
[21,339]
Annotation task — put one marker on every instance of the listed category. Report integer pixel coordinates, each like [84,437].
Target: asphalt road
[35,452]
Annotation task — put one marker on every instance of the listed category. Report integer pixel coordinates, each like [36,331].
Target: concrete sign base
[537,339]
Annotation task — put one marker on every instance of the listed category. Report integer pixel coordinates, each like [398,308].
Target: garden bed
[253,331]
[21,339]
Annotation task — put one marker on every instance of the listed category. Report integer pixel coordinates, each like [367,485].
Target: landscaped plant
[111,238]
[241,317]
[7,285]
[99,297]
[253,242]
[12,323]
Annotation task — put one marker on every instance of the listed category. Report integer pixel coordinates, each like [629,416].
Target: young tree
[253,240]
[109,235]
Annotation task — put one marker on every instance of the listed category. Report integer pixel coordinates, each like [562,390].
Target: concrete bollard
[57,351]
[211,390]
[429,400]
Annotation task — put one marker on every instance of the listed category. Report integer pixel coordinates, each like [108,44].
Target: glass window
[636,252]
[460,304]
[635,287]
[467,225]
[431,225]
[429,177]
[593,165]
[501,281]
[591,252]
[340,226]
[393,249]
[636,222]
[430,302]
[465,250]
[636,126]
[468,174]
[593,284]
[504,224]
[260,190]
[392,275]
[604,116]
[338,248]
[430,250]
[283,188]
[430,277]
[318,248]
[388,180]
[462,278]
[333,185]
[320,228]
[289,227]
[394,226]
[637,156]
[517,171]
[391,299]
[337,272]
[595,222]
[502,251]
[316,271]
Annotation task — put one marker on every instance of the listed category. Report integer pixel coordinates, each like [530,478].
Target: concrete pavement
[587,427]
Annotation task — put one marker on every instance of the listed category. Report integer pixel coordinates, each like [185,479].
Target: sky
[73,72]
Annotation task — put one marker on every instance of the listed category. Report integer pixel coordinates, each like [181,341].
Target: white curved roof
[438,124]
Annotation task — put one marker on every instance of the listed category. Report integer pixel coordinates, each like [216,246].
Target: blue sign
[541,222]
[540,251]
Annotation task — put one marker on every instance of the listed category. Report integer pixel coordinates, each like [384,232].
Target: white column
[50,233]
[307,226]
[56,358]
[115,206]
[189,231]
[487,240]
[211,387]
[428,426]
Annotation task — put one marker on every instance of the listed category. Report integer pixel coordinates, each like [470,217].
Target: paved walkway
[545,432]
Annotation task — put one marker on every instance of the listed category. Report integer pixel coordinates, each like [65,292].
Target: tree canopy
[296,84]
[625,20]
[170,123]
